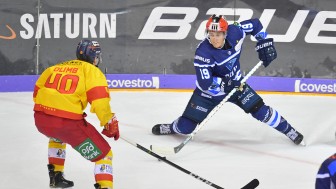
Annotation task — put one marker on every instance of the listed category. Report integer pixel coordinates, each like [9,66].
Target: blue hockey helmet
[89,51]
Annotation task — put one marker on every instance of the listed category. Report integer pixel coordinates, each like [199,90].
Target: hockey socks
[283,127]
[103,172]
[272,118]
[56,154]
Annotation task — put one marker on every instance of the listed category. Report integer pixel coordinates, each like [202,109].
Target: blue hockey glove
[266,50]
[228,85]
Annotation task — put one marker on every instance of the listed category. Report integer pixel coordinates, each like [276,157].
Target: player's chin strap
[174,150]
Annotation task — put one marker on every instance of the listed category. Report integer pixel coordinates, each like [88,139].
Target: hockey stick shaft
[187,140]
[171,163]
[251,185]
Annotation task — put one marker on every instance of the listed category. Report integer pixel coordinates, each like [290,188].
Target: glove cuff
[261,35]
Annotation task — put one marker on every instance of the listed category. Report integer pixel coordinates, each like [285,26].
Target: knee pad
[257,106]
[184,125]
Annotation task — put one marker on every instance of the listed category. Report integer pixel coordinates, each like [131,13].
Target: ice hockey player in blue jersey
[326,175]
[218,71]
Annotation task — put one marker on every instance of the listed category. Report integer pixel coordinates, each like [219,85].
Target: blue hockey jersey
[213,65]
[326,176]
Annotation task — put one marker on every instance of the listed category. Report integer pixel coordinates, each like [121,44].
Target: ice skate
[162,129]
[97,186]
[57,180]
[296,137]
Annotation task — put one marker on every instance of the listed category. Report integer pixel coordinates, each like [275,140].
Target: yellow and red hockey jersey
[64,90]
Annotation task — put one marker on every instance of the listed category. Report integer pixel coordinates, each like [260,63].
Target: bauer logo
[185,24]
[134,83]
[314,87]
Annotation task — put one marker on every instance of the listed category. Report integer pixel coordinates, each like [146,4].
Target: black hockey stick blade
[252,185]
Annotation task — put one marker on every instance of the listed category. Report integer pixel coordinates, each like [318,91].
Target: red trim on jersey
[97,93]
[36,90]
[57,112]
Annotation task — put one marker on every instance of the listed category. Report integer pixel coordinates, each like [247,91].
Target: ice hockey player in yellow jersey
[61,94]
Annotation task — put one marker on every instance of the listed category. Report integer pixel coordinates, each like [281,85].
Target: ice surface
[231,150]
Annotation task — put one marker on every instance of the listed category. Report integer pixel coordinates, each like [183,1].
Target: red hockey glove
[111,129]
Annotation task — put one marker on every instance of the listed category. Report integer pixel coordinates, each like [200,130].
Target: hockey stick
[176,149]
[251,185]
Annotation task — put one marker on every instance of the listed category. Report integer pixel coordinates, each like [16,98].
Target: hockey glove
[111,129]
[266,50]
[228,85]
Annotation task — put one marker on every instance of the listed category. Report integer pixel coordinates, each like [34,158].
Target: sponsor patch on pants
[88,149]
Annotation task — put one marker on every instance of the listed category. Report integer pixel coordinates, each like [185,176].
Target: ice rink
[231,150]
